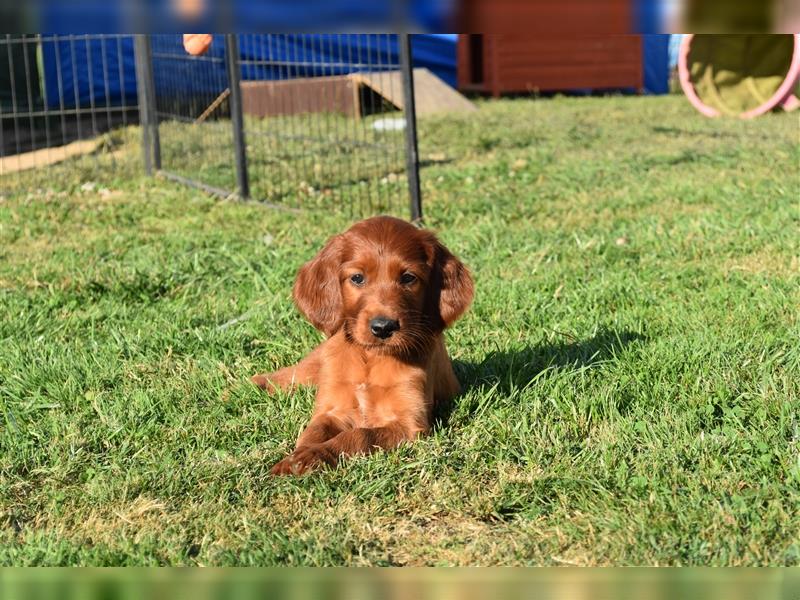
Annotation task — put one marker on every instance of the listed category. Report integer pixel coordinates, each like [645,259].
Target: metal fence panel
[316,137]
[296,120]
[191,109]
[60,96]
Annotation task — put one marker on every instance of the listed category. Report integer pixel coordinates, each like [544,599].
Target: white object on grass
[389,125]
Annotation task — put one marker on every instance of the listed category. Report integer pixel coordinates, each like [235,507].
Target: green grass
[631,362]
[292,161]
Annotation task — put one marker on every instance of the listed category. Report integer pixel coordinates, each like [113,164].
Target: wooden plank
[213,106]
[571,50]
[301,96]
[431,94]
[565,79]
[341,93]
[47,156]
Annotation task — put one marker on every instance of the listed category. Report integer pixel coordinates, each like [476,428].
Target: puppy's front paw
[283,467]
[301,461]
[264,383]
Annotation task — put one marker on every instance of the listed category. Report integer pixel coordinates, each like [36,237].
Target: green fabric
[731,16]
[737,73]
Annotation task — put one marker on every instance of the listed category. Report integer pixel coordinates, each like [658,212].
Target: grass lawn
[361,172]
[631,363]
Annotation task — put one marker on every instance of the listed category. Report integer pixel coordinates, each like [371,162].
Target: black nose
[382,327]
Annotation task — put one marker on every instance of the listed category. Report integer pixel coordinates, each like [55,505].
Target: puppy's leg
[321,429]
[303,373]
[334,413]
[362,440]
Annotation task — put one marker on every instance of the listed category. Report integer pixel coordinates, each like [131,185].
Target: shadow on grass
[506,371]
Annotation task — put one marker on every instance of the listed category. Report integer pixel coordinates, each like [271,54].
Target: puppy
[383,293]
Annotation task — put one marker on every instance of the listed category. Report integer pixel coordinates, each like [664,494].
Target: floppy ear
[452,284]
[316,291]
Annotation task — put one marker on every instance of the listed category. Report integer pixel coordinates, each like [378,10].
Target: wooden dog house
[512,63]
[542,45]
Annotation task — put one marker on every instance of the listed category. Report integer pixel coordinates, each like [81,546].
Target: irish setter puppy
[382,292]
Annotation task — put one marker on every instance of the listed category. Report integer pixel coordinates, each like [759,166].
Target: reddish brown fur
[371,392]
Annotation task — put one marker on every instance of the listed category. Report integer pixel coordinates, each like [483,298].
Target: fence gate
[297,121]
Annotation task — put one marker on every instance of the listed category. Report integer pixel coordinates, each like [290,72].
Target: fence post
[151,105]
[237,121]
[148,118]
[410,111]
[141,92]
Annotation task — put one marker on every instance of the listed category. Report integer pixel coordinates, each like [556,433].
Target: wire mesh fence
[318,131]
[195,145]
[60,96]
[301,121]
[320,122]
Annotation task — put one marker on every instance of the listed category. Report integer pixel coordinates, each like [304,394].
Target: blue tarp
[98,72]
[334,54]
[655,59]
[243,16]
[650,18]
[95,64]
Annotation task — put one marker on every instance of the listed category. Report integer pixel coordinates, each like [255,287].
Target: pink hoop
[686,82]
[790,103]
[783,94]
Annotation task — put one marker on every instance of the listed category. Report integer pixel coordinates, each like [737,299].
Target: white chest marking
[362,396]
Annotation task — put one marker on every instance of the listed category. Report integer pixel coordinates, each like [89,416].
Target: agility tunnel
[740,75]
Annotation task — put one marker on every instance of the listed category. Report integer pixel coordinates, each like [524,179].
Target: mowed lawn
[631,363]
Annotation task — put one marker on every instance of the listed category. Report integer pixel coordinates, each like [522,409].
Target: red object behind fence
[511,63]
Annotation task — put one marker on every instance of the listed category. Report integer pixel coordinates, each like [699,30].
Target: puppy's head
[388,284]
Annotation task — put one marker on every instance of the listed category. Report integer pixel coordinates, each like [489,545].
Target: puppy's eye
[407,278]
[357,279]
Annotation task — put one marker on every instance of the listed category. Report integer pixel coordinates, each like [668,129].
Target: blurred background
[434,16]
[397,584]
[316,115]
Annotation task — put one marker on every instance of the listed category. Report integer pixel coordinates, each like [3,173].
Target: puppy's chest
[384,392]
[379,402]
[362,393]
